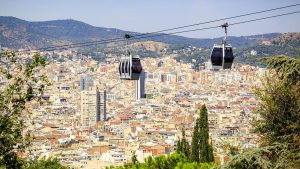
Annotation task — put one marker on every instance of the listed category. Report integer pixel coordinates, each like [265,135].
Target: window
[217,56]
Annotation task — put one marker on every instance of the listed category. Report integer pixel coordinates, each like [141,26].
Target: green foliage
[202,151]
[205,148]
[195,156]
[134,159]
[272,156]
[183,145]
[173,161]
[234,150]
[279,123]
[149,96]
[287,69]
[22,85]
[46,164]
[179,147]
[210,155]
[280,102]
[298,53]
[194,165]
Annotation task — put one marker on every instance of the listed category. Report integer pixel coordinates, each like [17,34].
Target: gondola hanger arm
[225,25]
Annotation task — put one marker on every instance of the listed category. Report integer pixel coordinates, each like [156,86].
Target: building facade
[140,86]
[102,101]
[86,81]
[93,107]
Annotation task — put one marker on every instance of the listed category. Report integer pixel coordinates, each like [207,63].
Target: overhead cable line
[264,18]
[206,28]
[217,20]
[145,35]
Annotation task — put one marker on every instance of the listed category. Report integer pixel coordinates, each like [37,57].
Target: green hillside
[17,33]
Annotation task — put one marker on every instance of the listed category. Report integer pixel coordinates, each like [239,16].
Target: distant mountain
[292,39]
[17,33]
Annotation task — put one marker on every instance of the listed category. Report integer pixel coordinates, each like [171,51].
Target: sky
[153,15]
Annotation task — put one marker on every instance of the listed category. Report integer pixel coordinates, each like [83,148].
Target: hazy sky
[153,15]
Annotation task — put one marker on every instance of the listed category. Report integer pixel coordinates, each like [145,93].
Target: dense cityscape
[90,118]
[154,84]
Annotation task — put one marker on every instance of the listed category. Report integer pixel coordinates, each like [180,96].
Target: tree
[202,151]
[230,149]
[195,143]
[205,147]
[179,148]
[194,165]
[211,157]
[149,162]
[280,102]
[276,155]
[172,161]
[183,145]
[279,123]
[134,159]
[46,164]
[23,84]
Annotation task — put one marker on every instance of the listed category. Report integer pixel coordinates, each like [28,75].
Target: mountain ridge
[17,33]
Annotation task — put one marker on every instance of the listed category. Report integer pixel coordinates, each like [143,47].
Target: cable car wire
[200,29]
[207,28]
[217,20]
[157,33]
[264,18]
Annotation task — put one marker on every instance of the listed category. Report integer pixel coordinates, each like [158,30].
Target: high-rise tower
[102,100]
[140,86]
[93,107]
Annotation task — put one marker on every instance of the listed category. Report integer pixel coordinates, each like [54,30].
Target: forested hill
[17,33]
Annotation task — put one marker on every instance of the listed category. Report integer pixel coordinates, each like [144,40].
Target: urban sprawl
[91,119]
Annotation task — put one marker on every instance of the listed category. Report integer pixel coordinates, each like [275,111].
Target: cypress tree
[211,154]
[179,147]
[195,143]
[201,150]
[182,145]
[185,145]
[205,147]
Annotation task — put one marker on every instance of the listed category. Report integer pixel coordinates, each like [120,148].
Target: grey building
[93,107]
[140,86]
[86,81]
[102,105]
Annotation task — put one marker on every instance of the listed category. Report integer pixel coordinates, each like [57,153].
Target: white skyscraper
[140,86]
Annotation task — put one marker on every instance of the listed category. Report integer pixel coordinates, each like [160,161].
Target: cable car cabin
[222,56]
[130,68]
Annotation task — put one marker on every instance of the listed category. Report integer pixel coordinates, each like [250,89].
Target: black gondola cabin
[130,68]
[222,56]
